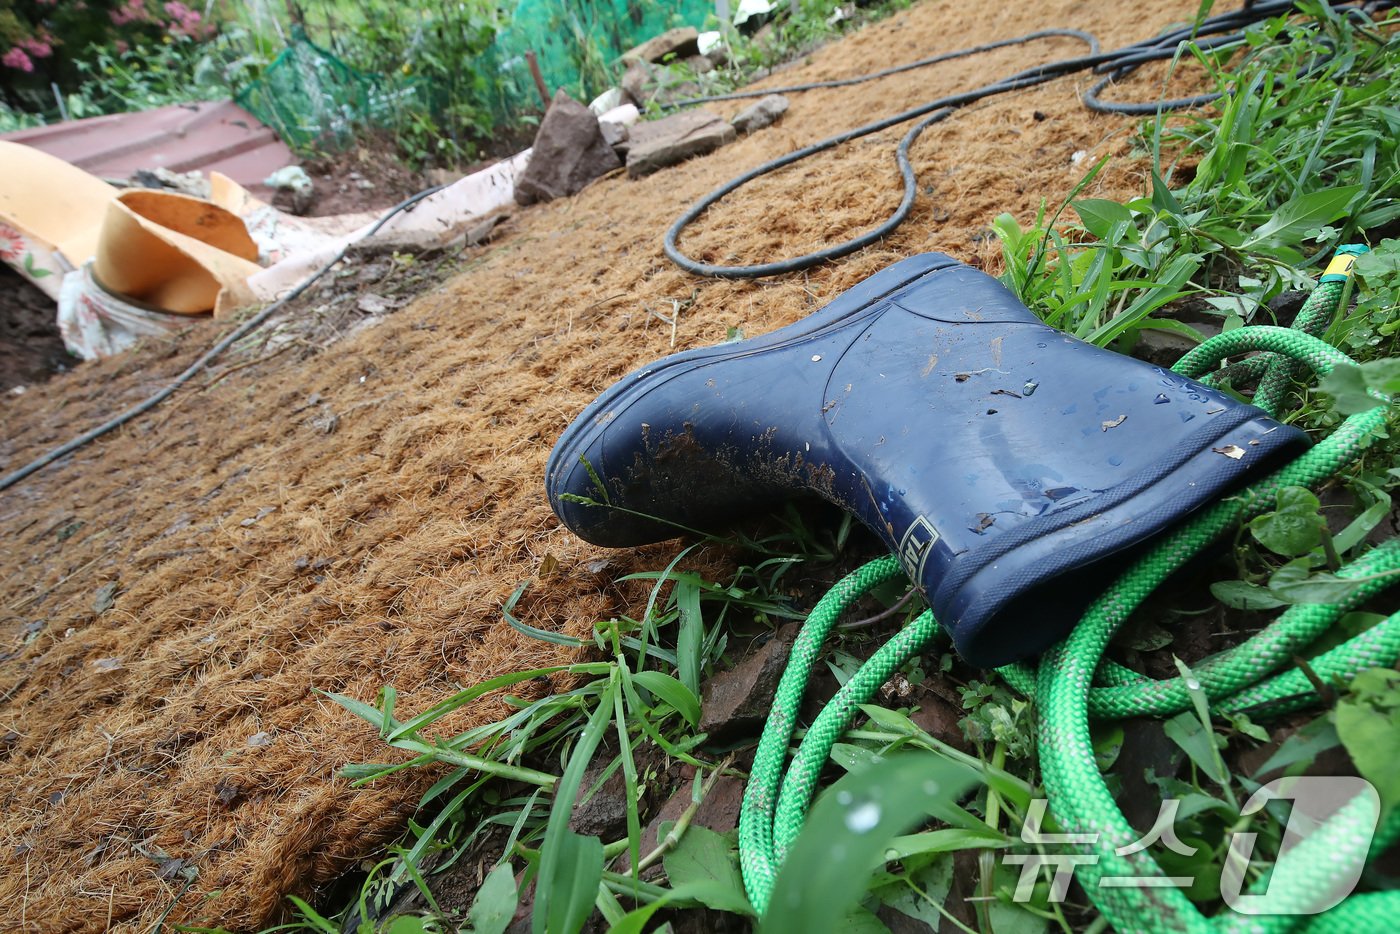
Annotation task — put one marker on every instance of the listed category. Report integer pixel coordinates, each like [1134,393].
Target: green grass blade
[825,873]
[680,697]
[566,873]
[689,635]
[466,760]
[571,866]
[629,778]
[462,698]
[1299,214]
[366,712]
[544,635]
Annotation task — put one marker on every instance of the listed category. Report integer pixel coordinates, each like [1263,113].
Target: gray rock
[1161,348]
[189,183]
[616,135]
[682,42]
[371,303]
[718,811]
[674,139]
[1285,307]
[605,813]
[485,231]
[760,114]
[569,153]
[615,125]
[638,81]
[740,699]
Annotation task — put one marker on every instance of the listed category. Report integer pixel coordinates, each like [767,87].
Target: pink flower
[11,243]
[184,21]
[132,11]
[38,48]
[16,58]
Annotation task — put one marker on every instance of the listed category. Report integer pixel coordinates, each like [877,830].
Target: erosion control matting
[177,593]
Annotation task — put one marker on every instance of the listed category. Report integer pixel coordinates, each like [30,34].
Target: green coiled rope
[1067,696]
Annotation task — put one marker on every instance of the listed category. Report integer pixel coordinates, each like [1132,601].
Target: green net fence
[312,98]
[577,42]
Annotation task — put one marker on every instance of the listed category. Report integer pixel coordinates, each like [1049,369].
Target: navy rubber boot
[1013,469]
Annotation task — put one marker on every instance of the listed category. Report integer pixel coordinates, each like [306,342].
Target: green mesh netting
[312,98]
[577,43]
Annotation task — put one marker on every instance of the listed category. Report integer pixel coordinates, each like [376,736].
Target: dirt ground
[31,349]
[353,514]
[368,176]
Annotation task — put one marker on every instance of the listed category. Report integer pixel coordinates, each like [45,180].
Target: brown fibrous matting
[381,552]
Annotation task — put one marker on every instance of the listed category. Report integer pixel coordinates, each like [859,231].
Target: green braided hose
[757,830]
[1067,696]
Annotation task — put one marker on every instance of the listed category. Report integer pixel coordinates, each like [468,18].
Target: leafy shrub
[431,55]
[45,43]
[117,77]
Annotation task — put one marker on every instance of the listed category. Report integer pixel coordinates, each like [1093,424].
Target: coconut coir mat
[175,593]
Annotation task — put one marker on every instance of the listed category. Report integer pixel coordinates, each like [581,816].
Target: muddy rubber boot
[1013,469]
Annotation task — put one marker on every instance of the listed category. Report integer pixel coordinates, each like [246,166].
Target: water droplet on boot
[1115,460]
[844,797]
[863,819]
[1161,398]
[816,357]
[1193,684]
[1186,416]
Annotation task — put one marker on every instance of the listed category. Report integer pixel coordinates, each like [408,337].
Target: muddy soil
[31,349]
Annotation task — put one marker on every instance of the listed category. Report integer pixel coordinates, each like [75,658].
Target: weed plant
[174,71]
[1301,155]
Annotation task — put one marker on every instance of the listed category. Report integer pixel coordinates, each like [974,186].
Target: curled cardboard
[166,251]
[174,253]
[54,202]
[50,212]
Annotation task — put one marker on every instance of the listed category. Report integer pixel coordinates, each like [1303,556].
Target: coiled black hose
[1225,29]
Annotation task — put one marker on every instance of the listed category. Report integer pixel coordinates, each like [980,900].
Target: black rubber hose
[238,333]
[876,75]
[935,110]
[1152,108]
[1118,63]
